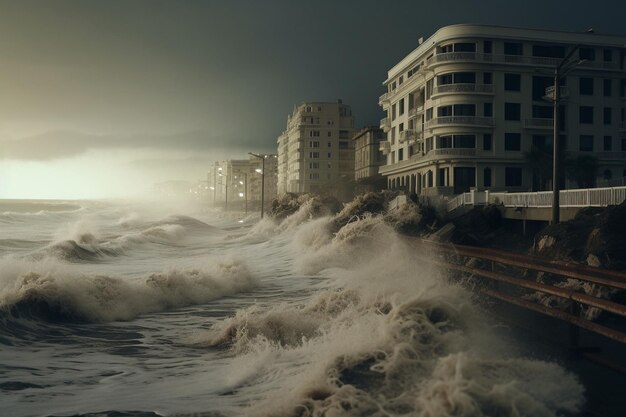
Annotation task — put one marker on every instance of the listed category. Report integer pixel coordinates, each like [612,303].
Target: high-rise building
[315,152]
[470,107]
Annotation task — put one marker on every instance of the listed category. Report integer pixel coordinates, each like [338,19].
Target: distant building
[315,153]
[467,107]
[368,158]
[237,182]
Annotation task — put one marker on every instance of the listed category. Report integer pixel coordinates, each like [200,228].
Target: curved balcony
[535,61]
[463,89]
[384,98]
[476,121]
[465,152]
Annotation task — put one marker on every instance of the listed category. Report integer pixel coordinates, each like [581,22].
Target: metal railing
[463,88]
[452,152]
[513,59]
[460,120]
[503,275]
[586,197]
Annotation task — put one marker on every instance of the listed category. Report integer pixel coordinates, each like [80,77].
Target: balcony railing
[513,59]
[385,124]
[538,123]
[452,152]
[463,88]
[416,110]
[407,135]
[385,97]
[460,120]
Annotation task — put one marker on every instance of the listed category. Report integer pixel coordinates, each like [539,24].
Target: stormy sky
[97,95]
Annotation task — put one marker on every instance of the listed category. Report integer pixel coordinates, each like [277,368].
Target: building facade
[368,158]
[315,153]
[468,108]
[237,182]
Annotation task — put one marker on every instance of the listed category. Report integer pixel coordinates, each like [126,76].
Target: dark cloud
[227,71]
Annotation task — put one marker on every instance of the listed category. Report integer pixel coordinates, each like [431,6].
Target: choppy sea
[112,308]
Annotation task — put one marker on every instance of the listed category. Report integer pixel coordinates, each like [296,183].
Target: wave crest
[59,296]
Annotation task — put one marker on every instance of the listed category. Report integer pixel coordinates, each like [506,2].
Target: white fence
[587,197]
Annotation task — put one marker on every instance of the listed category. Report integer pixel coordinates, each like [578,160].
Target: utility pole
[559,71]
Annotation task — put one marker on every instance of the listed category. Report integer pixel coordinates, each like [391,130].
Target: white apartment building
[464,107]
[315,152]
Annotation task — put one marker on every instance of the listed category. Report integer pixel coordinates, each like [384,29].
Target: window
[607,115]
[400,154]
[443,111]
[586,143]
[465,78]
[606,87]
[314,165]
[344,144]
[587,53]
[488,109]
[542,112]
[487,47]
[329,133]
[314,176]
[624,146]
[539,86]
[429,113]
[314,154]
[608,143]
[314,133]
[513,177]
[513,48]
[586,86]
[487,177]
[549,51]
[512,111]
[465,141]
[512,82]
[487,78]
[585,114]
[444,142]
[393,112]
[314,144]
[487,142]
[344,134]
[512,142]
[330,144]
[401,107]
[607,55]
[465,110]
[330,154]
[400,80]
[622,88]
[464,47]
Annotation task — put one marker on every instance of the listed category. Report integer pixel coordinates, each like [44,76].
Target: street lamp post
[559,71]
[262,158]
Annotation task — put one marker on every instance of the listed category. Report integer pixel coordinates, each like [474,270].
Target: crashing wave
[60,296]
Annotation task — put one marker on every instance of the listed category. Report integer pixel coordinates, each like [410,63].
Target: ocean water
[128,309]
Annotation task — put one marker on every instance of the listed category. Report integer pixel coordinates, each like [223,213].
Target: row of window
[515,49]
[315,155]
